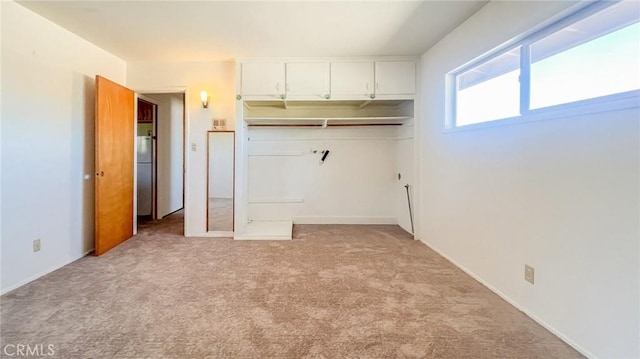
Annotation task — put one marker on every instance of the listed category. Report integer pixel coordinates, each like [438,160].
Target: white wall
[170,148]
[218,79]
[48,99]
[221,162]
[353,185]
[560,195]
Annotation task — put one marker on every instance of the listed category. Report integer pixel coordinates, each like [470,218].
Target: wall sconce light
[205,99]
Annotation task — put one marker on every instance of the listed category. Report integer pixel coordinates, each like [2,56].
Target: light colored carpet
[220,214]
[332,292]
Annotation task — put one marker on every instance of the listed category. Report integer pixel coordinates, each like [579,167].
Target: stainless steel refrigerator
[145,175]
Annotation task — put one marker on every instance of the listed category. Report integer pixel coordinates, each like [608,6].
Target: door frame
[184,90]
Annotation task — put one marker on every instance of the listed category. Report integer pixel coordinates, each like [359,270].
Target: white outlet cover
[529,274]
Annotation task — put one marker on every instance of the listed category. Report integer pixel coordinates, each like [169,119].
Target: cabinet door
[352,78]
[395,77]
[263,79]
[308,79]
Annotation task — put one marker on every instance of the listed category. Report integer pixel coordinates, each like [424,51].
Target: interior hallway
[334,291]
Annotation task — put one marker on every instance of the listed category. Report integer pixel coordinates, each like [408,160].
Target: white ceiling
[222,30]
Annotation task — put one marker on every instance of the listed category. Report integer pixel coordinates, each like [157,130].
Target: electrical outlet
[529,273]
[194,147]
[36,245]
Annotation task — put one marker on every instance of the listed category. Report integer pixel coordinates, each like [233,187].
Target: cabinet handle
[367,86]
[327,96]
[372,96]
[278,86]
[283,96]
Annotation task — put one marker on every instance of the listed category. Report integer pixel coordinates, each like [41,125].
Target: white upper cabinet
[263,79]
[395,77]
[341,79]
[308,80]
[352,78]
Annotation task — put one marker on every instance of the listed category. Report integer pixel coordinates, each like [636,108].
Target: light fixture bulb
[204,98]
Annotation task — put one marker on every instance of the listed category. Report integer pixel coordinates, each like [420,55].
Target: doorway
[165,133]
[146,160]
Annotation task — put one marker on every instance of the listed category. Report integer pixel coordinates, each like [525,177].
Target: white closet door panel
[308,79]
[263,78]
[352,78]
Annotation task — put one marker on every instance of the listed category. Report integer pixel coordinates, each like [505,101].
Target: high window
[586,62]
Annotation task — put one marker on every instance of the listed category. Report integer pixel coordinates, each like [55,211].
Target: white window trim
[610,103]
[607,103]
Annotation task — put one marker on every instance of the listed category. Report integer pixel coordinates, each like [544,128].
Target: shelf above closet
[327,122]
[328,113]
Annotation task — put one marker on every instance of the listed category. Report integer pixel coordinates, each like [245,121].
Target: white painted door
[395,77]
[308,80]
[352,78]
[263,79]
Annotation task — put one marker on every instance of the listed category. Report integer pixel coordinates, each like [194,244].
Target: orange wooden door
[114,135]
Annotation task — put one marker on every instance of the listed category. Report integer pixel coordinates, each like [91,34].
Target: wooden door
[114,134]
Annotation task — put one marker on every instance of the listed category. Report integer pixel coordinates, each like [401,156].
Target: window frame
[611,102]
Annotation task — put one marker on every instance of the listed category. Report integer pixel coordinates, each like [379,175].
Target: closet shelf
[327,121]
[345,104]
[328,113]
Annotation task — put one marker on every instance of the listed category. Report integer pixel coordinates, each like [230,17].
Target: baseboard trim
[266,230]
[260,238]
[216,234]
[548,327]
[345,220]
[168,214]
[43,273]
